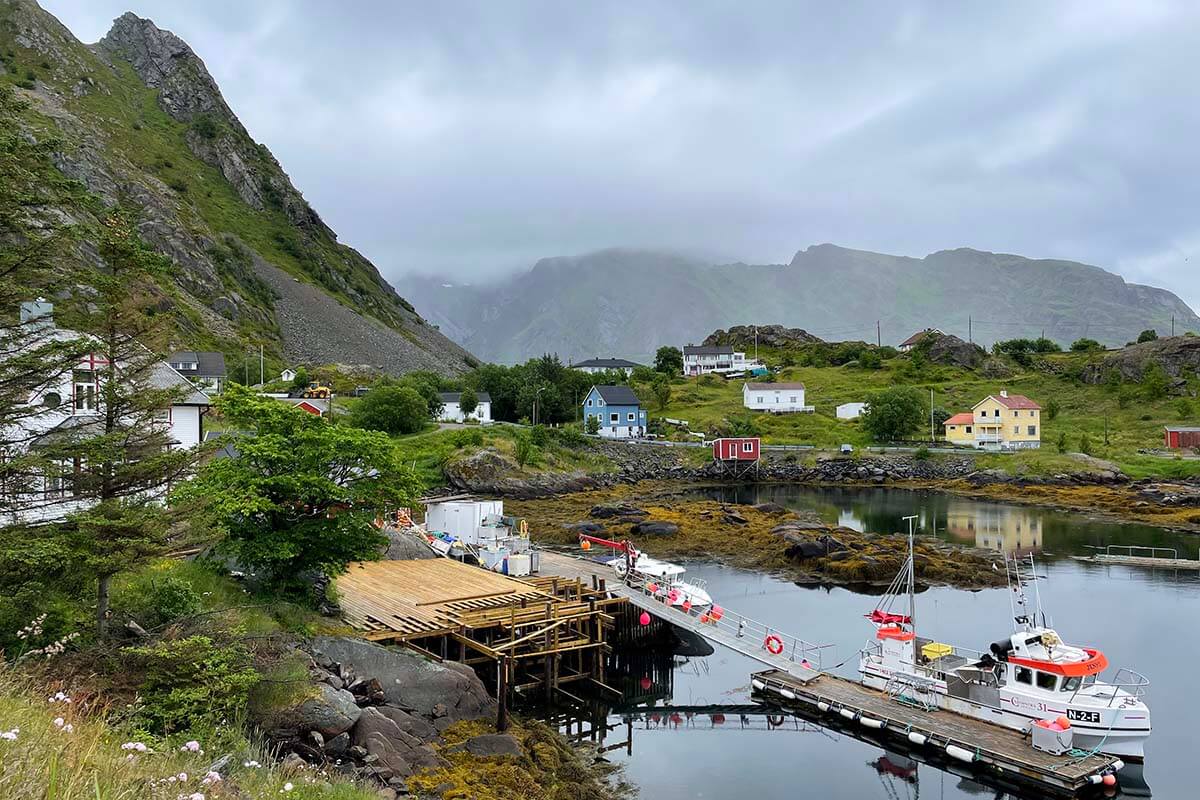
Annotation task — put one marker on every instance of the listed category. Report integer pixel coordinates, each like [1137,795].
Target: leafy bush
[392,409]
[154,599]
[1183,408]
[468,438]
[894,413]
[1052,409]
[1148,335]
[570,436]
[538,436]
[922,453]
[524,449]
[1062,442]
[1086,346]
[205,126]
[1085,444]
[592,425]
[668,360]
[1155,382]
[192,684]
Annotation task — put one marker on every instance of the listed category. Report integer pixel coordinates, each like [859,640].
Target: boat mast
[912,578]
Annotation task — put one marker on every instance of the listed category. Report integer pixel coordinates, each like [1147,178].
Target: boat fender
[757,684]
[876,724]
[1118,765]
[822,706]
[787,694]
[918,738]
[1095,780]
[847,713]
[962,754]
[1109,780]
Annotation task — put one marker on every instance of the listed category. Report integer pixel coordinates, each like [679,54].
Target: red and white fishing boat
[1030,675]
[666,578]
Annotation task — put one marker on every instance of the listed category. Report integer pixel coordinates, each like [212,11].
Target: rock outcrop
[954,352]
[250,256]
[768,336]
[1177,355]
[490,472]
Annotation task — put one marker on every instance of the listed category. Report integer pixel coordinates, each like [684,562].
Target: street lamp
[535,404]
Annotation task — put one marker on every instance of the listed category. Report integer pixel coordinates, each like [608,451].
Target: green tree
[1086,346]
[1044,345]
[1052,409]
[592,425]
[468,401]
[662,391]
[524,448]
[1184,408]
[301,494]
[1062,441]
[894,413]
[1148,335]
[668,360]
[391,408]
[1155,381]
[1085,444]
[301,380]
[120,462]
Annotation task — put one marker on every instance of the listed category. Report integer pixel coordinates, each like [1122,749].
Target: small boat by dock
[666,577]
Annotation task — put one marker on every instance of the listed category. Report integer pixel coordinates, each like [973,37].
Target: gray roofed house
[454,397]
[618,395]
[614,412]
[452,412]
[594,365]
[708,350]
[205,368]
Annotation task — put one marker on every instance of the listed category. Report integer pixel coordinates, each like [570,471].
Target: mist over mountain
[626,303]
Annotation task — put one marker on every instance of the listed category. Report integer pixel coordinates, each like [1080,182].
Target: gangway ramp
[797,657]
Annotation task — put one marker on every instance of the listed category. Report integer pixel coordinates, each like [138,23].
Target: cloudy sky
[468,138]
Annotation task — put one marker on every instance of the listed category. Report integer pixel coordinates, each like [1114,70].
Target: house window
[996,413]
[1016,413]
[51,400]
[953,427]
[84,390]
[630,417]
[968,429]
[1016,430]
[614,418]
[747,447]
[1033,430]
[1025,675]
[589,402]
[793,398]
[1047,681]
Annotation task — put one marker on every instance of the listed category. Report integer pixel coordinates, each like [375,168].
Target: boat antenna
[912,603]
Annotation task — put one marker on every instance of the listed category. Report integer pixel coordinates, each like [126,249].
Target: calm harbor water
[1140,618]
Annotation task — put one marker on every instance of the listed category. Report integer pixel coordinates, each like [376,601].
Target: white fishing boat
[1028,676]
[665,578]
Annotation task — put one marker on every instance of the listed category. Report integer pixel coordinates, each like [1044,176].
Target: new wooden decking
[1001,749]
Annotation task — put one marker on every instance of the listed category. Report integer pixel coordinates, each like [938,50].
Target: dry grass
[48,761]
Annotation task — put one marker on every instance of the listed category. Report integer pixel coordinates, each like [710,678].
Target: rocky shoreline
[410,725]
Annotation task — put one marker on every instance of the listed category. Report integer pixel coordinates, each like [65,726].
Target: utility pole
[1172,324]
[756,340]
[931,439]
[878,335]
[970,331]
[261,375]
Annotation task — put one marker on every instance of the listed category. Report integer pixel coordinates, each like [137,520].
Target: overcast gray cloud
[464,139]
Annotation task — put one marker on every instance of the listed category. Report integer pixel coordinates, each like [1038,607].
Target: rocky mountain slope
[625,303]
[142,123]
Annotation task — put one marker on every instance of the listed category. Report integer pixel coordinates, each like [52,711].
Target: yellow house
[960,429]
[1007,422]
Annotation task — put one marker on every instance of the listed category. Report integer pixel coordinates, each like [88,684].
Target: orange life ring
[773,644]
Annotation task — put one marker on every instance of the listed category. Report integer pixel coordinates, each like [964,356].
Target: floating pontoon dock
[1139,556]
[1000,752]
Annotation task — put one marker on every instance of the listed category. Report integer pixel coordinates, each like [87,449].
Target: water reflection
[1008,529]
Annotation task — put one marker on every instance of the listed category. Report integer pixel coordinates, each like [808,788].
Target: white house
[594,365]
[205,369]
[851,410]
[452,411]
[74,400]
[918,337]
[703,359]
[288,375]
[778,398]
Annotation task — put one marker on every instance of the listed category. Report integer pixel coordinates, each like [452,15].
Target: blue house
[618,410]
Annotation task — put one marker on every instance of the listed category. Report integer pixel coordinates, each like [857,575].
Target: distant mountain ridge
[625,303]
[142,123]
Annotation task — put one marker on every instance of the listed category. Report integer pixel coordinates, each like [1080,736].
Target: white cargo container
[472,522]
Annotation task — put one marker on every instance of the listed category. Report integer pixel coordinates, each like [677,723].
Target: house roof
[708,350]
[758,387]
[961,418]
[164,376]
[1182,429]
[1014,402]
[617,395]
[919,335]
[209,364]
[454,397]
[607,363]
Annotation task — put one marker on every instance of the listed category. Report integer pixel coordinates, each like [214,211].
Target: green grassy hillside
[1133,421]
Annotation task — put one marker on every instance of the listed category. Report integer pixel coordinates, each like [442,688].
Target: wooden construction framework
[534,632]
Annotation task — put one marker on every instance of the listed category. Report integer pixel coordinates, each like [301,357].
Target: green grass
[1083,410]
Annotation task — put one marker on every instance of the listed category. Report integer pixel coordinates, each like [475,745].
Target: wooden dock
[1000,752]
[1141,561]
[538,632]
[798,658]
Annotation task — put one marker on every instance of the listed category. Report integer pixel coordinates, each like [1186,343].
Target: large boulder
[329,711]
[410,682]
[654,527]
[400,752]
[493,744]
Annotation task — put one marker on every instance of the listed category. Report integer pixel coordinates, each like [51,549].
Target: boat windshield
[1070,684]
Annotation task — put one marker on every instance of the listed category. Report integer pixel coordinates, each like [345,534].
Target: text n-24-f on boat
[1030,675]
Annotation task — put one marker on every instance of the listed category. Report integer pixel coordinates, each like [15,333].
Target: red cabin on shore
[745,448]
[1176,437]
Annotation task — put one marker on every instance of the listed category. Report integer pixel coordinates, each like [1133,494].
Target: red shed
[736,449]
[1176,437]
